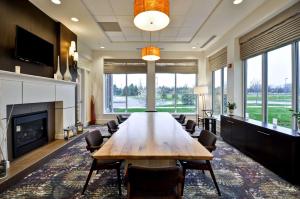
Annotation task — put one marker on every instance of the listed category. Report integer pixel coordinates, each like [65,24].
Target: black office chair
[208,140]
[94,141]
[190,126]
[112,126]
[154,182]
[121,119]
[181,119]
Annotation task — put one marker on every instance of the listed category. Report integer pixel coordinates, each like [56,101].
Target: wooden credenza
[277,149]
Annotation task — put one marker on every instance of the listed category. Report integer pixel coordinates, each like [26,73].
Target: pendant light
[150,53]
[151,15]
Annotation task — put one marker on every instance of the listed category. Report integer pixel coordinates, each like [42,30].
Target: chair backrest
[208,140]
[191,125]
[94,140]
[154,182]
[120,119]
[112,126]
[181,119]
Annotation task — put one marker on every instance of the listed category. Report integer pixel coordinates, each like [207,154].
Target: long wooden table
[152,136]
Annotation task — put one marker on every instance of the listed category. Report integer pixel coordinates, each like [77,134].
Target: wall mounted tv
[31,48]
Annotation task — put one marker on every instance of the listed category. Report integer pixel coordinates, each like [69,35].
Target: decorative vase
[3,169]
[67,75]
[58,73]
[231,111]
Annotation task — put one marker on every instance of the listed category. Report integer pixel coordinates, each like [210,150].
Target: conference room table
[152,139]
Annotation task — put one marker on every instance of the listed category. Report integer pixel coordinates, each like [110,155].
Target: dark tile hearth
[64,175]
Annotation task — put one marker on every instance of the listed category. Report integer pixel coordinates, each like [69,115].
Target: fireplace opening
[29,131]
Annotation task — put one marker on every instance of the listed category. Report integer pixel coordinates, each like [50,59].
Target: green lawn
[273,97]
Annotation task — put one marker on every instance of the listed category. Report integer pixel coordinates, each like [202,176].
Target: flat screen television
[31,48]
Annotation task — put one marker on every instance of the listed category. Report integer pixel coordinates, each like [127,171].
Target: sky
[279,67]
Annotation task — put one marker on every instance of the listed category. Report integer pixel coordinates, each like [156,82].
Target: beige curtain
[218,60]
[187,66]
[124,66]
[280,30]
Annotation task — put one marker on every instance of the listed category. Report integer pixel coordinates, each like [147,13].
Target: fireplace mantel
[27,89]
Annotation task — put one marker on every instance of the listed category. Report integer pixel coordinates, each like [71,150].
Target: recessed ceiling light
[57,2]
[74,19]
[102,47]
[237,1]
[194,47]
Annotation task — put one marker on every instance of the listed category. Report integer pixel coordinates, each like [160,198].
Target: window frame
[295,81]
[222,110]
[126,96]
[175,93]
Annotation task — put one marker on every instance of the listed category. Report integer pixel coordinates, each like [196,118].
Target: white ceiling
[186,18]
[193,22]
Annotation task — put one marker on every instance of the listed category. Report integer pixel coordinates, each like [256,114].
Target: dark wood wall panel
[24,14]
[65,36]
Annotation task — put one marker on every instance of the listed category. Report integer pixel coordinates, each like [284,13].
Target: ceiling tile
[176,20]
[99,7]
[177,7]
[122,7]
[100,18]
[114,34]
[169,32]
[131,32]
[125,21]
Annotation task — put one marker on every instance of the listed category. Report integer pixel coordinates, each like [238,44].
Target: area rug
[64,176]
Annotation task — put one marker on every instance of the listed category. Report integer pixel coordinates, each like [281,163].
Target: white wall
[231,39]
[97,76]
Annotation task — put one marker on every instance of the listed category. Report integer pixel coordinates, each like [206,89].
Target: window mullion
[213,91]
[295,81]
[265,87]
[222,91]
[126,96]
[175,93]
[245,93]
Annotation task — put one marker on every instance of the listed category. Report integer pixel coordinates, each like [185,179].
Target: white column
[151,86]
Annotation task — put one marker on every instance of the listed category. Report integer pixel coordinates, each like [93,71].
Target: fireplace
[29,131]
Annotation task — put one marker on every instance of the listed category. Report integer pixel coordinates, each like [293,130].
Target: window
[225,92]
[269,85]
[219,91]
[174,93]
[165,92]
[136,92]
[186,99]
[125,93]
[254,87]
[280,85]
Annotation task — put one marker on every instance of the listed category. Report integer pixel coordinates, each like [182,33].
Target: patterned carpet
[64,175]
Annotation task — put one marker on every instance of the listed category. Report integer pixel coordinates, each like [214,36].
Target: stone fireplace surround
[30,92]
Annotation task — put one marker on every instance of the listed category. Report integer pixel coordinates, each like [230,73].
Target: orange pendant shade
[150,53]
[151,15]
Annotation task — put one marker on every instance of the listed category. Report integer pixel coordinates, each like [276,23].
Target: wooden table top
[146,136]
